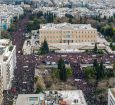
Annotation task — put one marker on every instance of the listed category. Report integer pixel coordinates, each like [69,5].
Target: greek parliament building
[67,33]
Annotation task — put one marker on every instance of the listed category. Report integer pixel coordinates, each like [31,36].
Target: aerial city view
[57,52]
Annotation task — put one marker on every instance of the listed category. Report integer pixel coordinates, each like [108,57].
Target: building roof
[4,41]
[4,50]
[52,26]
[69,97]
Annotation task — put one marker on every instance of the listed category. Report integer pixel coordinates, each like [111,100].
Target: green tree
[101,70]
[95,48]
[35,79]
[29,26]
[111,45]
[36,24]
[62,70]
[96,67]
[90,73]
[44,48]
[69,72]
[95,63]
[114,66]
[15,18]
[12,28]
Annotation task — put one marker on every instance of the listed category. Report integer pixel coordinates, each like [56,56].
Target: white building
[68,97]
[7,62]
[7,12]
[1,90]
[111,96]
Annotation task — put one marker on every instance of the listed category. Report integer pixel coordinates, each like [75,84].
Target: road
[24,73]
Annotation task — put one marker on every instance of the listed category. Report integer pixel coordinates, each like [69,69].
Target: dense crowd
[24,73]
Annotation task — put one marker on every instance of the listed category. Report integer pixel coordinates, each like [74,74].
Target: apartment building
[7,63]
[7,12]
[111,96]
[67,33]
[1,89]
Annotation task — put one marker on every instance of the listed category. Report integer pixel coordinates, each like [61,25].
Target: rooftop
[4,49]
[51,26]
[68,97]
[4,42]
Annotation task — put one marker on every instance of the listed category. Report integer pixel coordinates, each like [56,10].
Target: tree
[96,67]
[104,17]
[40,85]
[42,20]
[44,48]
[61,64]
[68,16]
[12,27]
[5,34]
[36,24]
[95,63]
[35,79]
[90,73]
[101,70]
[69,72]
[62,70]
[114,66]
[95,48]
[15,18]
[29,26]
[111,45]
[81,20]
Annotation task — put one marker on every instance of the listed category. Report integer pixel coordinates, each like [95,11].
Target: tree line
[39,18]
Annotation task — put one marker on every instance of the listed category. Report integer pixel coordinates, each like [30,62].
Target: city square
[48,58]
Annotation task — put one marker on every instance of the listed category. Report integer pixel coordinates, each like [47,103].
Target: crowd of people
[24,73]
[75,61]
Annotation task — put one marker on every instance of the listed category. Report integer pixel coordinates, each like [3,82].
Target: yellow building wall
[77,36]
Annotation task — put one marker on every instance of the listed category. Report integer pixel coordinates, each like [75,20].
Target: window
[68,35]
[33,98]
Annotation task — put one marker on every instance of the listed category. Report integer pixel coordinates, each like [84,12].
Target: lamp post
[0,26]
